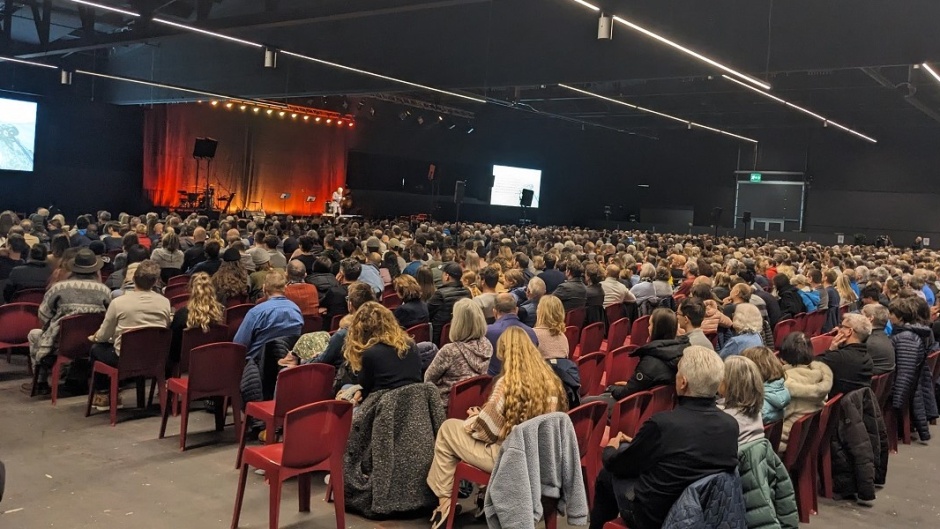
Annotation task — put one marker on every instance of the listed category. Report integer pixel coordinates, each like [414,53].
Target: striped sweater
[72,296]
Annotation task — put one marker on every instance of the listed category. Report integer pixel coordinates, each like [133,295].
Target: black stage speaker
[526,199]
[716,216]
[459,188]
[746,217]
[205,148]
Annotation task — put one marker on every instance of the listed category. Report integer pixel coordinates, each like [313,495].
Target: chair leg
[236,401]
[163,422]
[338,487]
[804,490]
[153,388]
[241,439]
[115,389]
[239,496]
[825,469]
[56,369]
[220,409]
[141,384]
[91,391]
[184,419]
[452,514]
[303,492]
[269,428]
[274,502]
[550,510]
[32,392]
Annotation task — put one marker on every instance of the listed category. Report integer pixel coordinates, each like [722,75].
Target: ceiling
[851,61]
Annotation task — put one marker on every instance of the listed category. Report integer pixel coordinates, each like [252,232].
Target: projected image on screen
[508,183]
[17,134]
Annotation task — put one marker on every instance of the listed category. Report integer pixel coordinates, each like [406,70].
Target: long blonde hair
[844,288]
[204,309]
[551,315]
[373,324]
[530,387]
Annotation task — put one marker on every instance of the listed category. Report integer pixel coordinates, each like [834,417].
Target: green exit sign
[756,177]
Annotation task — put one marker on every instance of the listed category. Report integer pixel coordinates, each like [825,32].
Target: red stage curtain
[258,157]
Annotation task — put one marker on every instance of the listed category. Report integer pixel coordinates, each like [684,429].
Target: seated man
[572,292]
[878,343]
[278,317]
[34,274]
[335,300]
[304,295]
[506,314]
[848,356]
[644,476]
[140,307]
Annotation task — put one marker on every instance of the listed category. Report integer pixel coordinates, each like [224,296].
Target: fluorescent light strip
[155,85]
[106,8]
[29,63]
[654,112]
[380,76]
[931,71]
[825,120]
[587,5]
[292,54]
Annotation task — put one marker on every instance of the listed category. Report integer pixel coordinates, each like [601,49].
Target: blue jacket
[713,501]
[776,399]
[737,344]
[810,299]
[494,331]
[275,318]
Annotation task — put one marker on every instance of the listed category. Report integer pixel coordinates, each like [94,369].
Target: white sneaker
[865,503]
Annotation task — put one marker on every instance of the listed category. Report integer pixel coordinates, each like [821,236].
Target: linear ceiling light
[656,113]
[28,63]
[106,8]
[825,121]
[298,55]
[153,84]
[931,71]
[680,47]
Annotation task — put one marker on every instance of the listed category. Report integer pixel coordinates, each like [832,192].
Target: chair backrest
[468,393]
[328,422]
[881,386]
[620,365]
[175,290]
[235,314]
[420,332]
[640,334]
[391,301]
[445,335]
[614,312]
[782,329]
[17,319]
[798,439]
[303,385]
[828,420]
[180,301]
[193,338]
[576,317]
[617,333]
[144,352]
[167,273]
[628,413]
[216,369]
[29,295]
[182,279]
[573,334]
[821,344]
[240,299]
[591,369]
[334,323]
[932,360]
[588,420]
[74,331]
[663,399]
[773,432]
[801,322]
[312,323]
[815,322]
[592,337]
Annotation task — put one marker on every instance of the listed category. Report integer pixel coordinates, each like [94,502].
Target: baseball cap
[452,269]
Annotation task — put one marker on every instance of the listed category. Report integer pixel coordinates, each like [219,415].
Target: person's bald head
[505,304]
[199,234]
[296,270]
[232,235]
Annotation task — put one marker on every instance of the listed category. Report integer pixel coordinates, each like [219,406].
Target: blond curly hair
[530,387]
[371,325]
[204,309]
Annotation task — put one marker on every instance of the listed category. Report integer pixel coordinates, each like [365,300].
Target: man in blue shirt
[418,256]
[505,311]
[278,317]
[370,273]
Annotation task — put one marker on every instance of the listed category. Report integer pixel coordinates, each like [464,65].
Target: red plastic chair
[618,333]
[628,412]
[182,279]
[573,334]
[801,322]
[234,316]
[445,335]
[178,302]
[576,317]
[467,394]
[193,338]
[828,420]
[591,369]
[773,432]
[171,292]
[782,329]
[312,323]
[234,301]
[215,370]
[391,301]
[815,322]
[420,332]
[620,365]
[591,338]
[616,524]
[663,399]
[795,460]
[296,387]
[615,312]
[640,334]
[328,423]
[821,344]
[16,320]
[143,355]
[74,331]
[334,323]
[467,472]
[589,420]
[29,295]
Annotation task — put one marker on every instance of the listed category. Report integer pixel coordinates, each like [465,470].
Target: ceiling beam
[910,99]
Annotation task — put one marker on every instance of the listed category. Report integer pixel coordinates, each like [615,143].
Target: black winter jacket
[859,446]
[912,383]
[790,302]
[441,306]
[659,362]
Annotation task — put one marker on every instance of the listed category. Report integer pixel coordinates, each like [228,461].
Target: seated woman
[413,310]
[515,283]
[380,351]
[594,302]
[550,328]
[645,289]
[231,281]
[202,311]
[168,255]
[468,353]
[659,359]
[742,396]
[714,318]
[748,325]
[807,380]
[776,395]
[526,388]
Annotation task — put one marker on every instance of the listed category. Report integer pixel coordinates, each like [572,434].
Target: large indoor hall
[469,263]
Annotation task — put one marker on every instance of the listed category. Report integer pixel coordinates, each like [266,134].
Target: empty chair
[618,333]
[196,337]
[445,335]
[73,343]
[29,295]
[215,370]
[576,317]
[591,338]
[143,355]
[182,279]
[614,312]
[573,334]
[171,292]
[797,453]
[329,423]
[296,387]
[782,329]
[628,412]
[640,334]
[312,323]
[16,320]
[591,369]
[589,420]
[420,332]
[467,394]
[180,301]
[621,365]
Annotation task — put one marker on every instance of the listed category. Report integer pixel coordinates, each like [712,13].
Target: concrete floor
[65,470]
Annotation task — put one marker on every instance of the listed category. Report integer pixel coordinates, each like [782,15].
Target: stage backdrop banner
[259,157]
